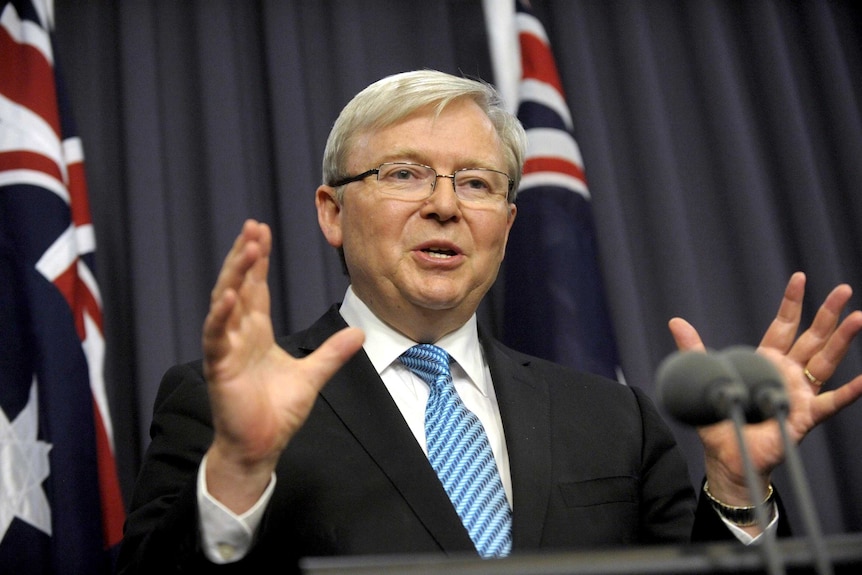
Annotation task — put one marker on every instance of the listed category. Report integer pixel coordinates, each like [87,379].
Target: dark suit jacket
[592,465]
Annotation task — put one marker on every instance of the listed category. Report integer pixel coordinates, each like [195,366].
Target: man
[316,444]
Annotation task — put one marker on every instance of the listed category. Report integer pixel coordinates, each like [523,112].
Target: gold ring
[811,378]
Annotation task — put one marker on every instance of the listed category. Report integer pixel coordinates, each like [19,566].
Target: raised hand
[805,362]
[260,395]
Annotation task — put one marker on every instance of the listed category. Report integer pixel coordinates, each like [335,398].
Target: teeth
[441,255]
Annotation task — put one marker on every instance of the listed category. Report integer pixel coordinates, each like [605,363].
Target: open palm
[819,350]
[259,394]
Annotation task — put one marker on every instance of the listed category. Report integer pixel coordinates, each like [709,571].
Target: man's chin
[443,300]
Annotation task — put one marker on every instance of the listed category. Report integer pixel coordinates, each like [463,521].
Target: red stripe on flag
[27,79]
[65,284]
[23,160]
[537,61]
[80,203]
[560,165]
[113,513]
[80,298]
[85,300]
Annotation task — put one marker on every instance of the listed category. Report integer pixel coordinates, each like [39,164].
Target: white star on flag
[23,467]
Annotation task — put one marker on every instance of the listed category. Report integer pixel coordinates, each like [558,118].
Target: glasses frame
[376,172]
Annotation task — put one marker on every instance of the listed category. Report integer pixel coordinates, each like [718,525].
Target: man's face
[421,261]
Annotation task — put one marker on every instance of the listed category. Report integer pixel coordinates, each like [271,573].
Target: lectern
[845,554]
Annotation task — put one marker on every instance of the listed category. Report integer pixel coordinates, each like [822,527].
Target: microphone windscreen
[764,382]
[689,385]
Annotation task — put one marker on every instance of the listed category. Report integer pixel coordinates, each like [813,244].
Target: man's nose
[444,199]
[450,177]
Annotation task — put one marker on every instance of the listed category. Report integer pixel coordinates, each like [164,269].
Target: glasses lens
[416,182]
[405,179]
[481,185]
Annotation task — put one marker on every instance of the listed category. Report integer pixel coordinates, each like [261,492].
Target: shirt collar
[384,345]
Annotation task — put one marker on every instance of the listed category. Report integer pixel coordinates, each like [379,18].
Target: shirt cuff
[225,536]
[748,539]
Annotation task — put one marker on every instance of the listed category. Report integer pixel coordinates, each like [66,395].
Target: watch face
[741,516]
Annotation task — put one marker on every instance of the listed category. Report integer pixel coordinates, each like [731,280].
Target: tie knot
[427,361]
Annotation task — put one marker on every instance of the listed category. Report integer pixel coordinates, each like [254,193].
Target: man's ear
[510,221]
[329,215]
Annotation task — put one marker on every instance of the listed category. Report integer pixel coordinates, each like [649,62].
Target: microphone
[764,382]
[700,389]
[769,399]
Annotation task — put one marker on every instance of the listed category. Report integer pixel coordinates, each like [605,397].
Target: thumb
[685,336]
[334,353]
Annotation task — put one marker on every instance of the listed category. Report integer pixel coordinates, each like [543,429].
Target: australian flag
[554,297]
[60,505]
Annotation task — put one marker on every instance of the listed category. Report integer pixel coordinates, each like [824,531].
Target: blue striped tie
[459,452]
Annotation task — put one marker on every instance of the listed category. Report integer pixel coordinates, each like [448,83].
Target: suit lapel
[525,410]
[359,397]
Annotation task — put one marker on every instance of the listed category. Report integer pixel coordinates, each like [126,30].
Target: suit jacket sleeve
[161,531]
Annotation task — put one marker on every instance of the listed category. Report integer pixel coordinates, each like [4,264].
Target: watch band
[740,516]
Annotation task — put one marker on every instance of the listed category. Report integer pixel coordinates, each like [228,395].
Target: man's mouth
[439,253]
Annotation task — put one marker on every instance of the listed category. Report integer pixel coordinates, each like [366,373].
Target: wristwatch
[740,516]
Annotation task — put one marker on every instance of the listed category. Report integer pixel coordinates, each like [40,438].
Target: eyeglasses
[416,182]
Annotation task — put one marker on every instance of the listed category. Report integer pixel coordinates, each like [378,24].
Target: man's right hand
[260,395]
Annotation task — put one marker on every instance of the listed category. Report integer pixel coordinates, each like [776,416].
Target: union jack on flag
[61,509]
[554,296]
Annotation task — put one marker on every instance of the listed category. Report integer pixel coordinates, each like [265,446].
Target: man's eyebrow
[406,154]
[413,155]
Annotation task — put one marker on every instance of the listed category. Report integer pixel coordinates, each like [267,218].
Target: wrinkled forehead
[461,133]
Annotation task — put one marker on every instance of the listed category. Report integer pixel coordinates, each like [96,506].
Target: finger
[818,333]
[831,402]
[685,336]
[225,303]
[214,342]
[823,364]
[244,253]
[215,323]
[244,272]
[263,239]
[254,289]
[782,331]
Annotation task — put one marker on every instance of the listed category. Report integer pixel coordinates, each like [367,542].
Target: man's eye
[475,184]
[401,173]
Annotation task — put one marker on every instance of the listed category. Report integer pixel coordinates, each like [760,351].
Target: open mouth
[439,253]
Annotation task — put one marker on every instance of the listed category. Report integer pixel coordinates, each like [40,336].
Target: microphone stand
[769,547]
[803,496]
[769,400]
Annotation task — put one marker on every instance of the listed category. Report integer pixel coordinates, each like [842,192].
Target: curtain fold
[722,144]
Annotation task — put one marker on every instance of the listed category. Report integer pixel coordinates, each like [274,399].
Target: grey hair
[396,97]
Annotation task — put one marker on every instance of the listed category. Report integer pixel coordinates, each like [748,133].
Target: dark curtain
[722,143]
